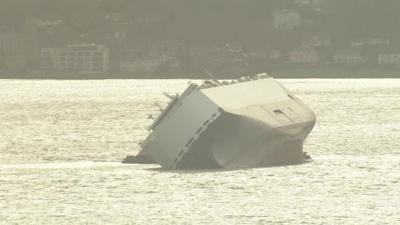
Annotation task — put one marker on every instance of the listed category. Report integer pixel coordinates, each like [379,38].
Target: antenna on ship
[209,73]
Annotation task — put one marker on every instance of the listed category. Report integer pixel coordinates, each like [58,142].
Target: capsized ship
[240,124]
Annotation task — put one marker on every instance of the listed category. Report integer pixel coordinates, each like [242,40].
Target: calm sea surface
[61,143]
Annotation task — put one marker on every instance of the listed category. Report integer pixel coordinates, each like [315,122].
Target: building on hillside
[79,58]
[389,58]
[114,17]
[286,19]
[218,57]
[379,42]
[12,51]
[48,23]
[302,3]
[304,55]
[316,40]
[317,5]
[348,57]
[151,57]
[140,66]
[150,65]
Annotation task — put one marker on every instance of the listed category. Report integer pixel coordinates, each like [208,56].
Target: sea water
[61,143]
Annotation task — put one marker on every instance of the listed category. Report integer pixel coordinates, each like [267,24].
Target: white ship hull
[249,124]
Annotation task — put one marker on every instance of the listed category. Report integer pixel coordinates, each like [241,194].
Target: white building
[348,57]
[150,65]
[316,40]
[140,66]
[48,23]
[389,59]
[286,19]
[80,58]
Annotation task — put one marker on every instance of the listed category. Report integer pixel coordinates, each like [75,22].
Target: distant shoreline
[288,73]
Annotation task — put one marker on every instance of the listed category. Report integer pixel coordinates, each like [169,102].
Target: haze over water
[61,143]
